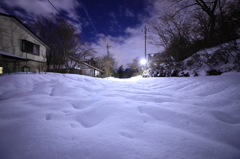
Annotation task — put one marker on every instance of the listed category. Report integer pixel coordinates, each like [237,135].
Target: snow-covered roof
[11,55]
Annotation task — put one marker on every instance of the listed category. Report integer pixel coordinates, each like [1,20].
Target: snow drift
[71,116]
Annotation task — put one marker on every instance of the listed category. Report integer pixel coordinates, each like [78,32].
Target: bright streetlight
[143,61]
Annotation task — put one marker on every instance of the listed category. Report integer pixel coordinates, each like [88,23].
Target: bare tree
[184,27]
[135,66]
[63,39]
[107,63]
[232,50]
[209,7]
[173,33]
[83,52]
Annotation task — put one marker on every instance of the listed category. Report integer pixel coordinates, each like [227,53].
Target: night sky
[118,23]
[110,17]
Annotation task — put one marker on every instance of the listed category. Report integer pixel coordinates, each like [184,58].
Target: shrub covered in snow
[211,61]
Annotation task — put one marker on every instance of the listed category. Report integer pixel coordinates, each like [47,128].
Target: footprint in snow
[79,106]
[49,116]
[226,118]
[67,112]
[73,125]
[94,116]
[127,135]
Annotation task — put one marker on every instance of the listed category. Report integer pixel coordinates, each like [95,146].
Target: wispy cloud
[129,13]
[113,18]
[89,19]
[32,8]
[125,49]
[3,10]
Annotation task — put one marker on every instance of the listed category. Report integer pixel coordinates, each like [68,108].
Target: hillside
[223,58]
[210,61]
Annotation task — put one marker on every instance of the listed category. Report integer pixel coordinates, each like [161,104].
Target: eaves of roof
[11,55]
[23,26]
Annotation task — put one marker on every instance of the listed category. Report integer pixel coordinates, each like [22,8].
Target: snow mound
[223,58]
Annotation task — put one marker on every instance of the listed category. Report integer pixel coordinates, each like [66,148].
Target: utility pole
[108,46]
[145,30]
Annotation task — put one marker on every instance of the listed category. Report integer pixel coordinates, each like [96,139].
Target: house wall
[11,65]
[97,73]
[34,66]
[11,35]
[88,72]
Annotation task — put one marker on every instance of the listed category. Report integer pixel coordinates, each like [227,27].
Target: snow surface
[64,116]
[222,66]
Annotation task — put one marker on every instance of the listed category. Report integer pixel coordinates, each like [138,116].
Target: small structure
[87,67]
[76,66]
[21,50]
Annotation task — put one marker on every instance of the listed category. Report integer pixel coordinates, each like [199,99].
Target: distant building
[154,59]
[20,49]
[87,67]
[76,66]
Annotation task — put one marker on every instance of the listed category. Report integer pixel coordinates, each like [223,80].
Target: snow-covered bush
[189,63]
[211,61]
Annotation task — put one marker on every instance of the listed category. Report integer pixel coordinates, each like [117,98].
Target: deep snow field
[64,116]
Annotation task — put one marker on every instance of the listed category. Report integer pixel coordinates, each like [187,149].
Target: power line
[90,20]
[65,18]
[53,6]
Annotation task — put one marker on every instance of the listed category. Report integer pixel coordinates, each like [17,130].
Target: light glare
[143,61]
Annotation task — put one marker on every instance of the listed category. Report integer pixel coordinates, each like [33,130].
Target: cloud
[128,13]
[37,7]
[28,9]
[30,6]
[86,24]
[113,18]
[2,10]
[125,49]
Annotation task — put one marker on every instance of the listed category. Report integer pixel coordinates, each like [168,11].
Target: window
[30,47]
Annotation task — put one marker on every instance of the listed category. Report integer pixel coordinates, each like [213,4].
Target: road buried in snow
[71,116]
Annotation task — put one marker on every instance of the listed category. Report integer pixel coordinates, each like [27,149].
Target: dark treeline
[185,27]
[67,47]
[64,41]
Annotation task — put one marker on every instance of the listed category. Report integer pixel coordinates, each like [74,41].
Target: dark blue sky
[111,17]
[108,17]
[118,23]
